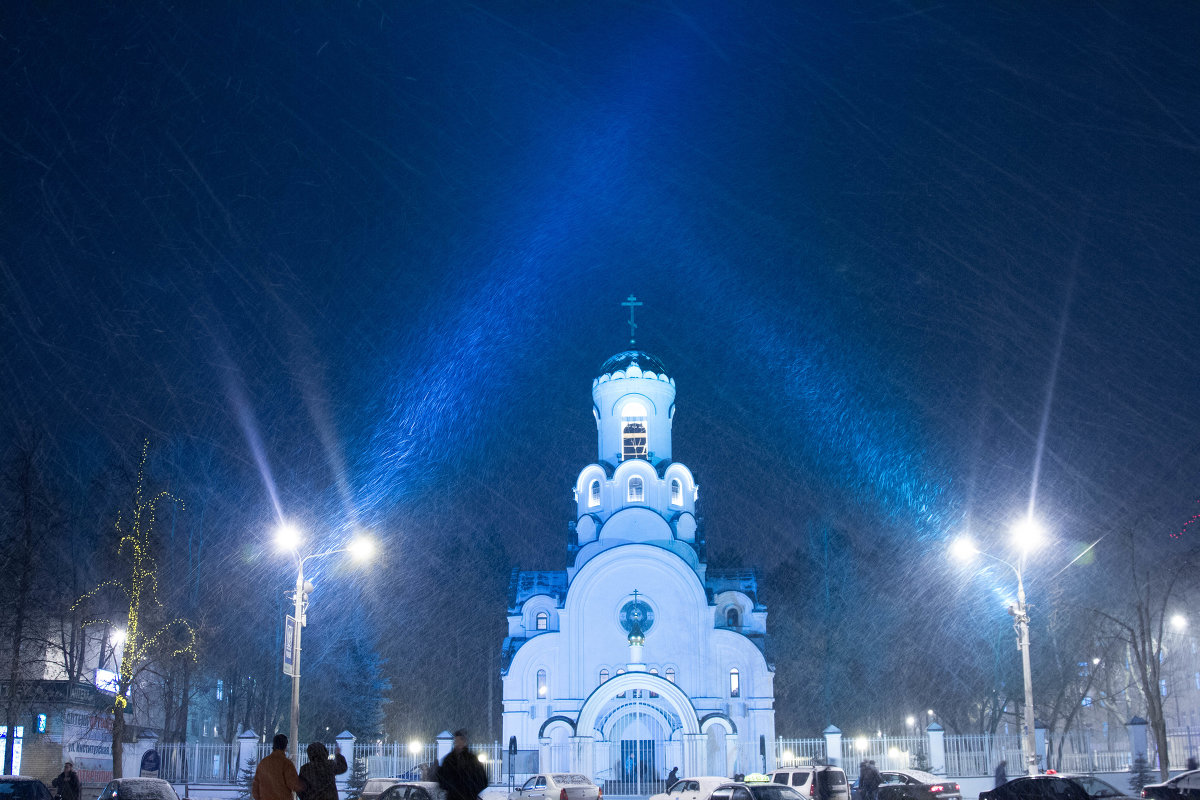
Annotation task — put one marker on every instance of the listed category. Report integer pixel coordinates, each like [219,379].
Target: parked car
[377,786]
[413,790]
[691,789]
[810,780]
[557,786]
[18,787]
[1055,787]
[755,791]
[1185,786]
[138,789]
[913,784]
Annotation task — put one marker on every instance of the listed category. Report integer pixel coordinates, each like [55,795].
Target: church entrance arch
[637,735]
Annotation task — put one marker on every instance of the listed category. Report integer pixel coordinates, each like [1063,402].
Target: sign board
[150,763]
[107,681]
[289,646]
[523,762]
[87,742]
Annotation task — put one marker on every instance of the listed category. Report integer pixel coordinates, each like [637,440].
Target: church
[639,656]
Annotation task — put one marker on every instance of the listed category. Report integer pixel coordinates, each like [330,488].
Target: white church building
[639,657]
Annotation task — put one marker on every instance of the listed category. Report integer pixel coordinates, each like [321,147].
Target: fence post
[833,745]
[345,741]
[937,748]
[445,743]
[1137,739]
[132,761]
[247,751]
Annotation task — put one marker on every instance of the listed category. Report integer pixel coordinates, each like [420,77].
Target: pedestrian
[461,775]
[67,783]
[318,774]
[672,777]
[275,777]
[873,781]
[1191,763]
[1002,772]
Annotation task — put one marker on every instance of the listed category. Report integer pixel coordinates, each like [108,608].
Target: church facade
[638,657]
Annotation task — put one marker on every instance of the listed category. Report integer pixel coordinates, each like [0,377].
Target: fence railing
[798,752]
[976,755]
[966,756]
[198,762]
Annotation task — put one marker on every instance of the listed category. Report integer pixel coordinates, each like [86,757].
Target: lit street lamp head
[287,536]
[362,548]
[1028,534]
[963,549]
[1179,622]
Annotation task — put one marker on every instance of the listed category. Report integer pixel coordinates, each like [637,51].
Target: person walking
[67,783]
[1002,772]
[869,781]
[461,776]
[275,777]
[672,777]
[318,774]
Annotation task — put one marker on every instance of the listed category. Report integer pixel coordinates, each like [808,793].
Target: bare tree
[30,516]
[1154,585]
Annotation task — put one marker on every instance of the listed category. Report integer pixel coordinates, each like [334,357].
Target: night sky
[914,267]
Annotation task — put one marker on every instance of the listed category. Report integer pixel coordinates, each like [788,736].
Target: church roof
[524,584]
[621,362]
[738,579]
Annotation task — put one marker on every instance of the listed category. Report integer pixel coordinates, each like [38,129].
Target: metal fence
[888,752]
[199,762]
[976,755]
[396,760]
[966,756]
[798,752]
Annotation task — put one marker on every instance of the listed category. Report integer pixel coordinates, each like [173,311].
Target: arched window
[542,621]
[735,684]
[603,675]
[594,494]
[542,683]
[676,492]
[621,672]
[732,620]
[633,431]
[637,491]
[670,674]
[653,672]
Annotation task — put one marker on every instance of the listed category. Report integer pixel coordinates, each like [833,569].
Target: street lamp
[1027,534]
[288,538]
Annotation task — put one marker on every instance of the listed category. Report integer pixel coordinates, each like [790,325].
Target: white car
[557,786]
[691,789]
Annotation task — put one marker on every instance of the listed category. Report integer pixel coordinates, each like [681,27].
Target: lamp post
[1026,534]
[289,538]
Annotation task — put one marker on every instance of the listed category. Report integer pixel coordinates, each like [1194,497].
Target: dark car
[18,787]
[755,791]
[1054,787]
[1185,786]
[138,789]
[913,784]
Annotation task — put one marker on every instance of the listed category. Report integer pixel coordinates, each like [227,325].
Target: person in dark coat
[870,781]
[67,783]
[461,776]
[318,774]
[672,777]
[1002,773]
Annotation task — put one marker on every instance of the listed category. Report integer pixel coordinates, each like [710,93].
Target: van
[817,782]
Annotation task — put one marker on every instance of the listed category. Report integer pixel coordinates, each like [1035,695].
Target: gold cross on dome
[632,303]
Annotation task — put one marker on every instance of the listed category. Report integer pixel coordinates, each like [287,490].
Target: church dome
[644,362]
